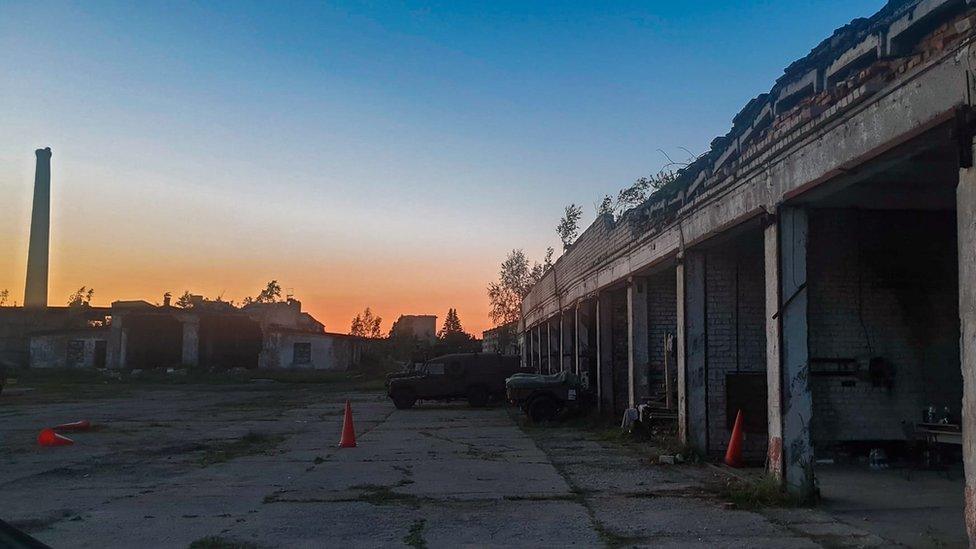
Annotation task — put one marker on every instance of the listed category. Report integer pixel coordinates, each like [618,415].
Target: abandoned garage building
[213,335]
[815,269]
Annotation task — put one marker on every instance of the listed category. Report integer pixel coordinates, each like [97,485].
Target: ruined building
[816,268]
[420,327]
[138,335]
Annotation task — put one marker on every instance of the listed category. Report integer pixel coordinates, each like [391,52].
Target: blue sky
[277,139]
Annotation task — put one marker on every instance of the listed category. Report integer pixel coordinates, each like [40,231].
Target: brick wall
[620,358]
[736,337]
[882,283]
[662,317]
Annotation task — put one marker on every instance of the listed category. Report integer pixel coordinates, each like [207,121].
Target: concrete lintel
[880,123]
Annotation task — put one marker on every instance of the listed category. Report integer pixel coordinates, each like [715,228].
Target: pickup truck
[545,397]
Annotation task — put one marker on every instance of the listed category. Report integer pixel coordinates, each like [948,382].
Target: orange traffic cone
[348,439]
[733,456]
[83,425]
[47,437]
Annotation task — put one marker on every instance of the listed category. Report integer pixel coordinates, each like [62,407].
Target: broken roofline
[766,134]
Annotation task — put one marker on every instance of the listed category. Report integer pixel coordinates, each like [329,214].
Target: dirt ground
[256,465]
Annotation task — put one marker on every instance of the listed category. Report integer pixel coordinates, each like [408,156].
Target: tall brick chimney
[35,291]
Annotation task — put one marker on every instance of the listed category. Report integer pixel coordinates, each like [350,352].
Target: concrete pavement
[258,464]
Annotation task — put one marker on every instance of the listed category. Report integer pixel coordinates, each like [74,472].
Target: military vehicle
[545,397]
[476,377]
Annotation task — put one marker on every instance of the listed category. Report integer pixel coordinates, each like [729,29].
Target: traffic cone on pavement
[47,437]
[83,425]
[348,439]
[733,456]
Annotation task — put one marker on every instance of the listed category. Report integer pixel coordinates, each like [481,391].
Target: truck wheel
[543,409]
[478,396]
[404,399]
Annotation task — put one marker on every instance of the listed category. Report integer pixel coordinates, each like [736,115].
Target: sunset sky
[382,154]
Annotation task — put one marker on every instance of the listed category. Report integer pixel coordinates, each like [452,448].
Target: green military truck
[475,377]
[544,397]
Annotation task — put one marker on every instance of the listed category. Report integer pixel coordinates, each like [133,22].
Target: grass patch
[250,444]
[415,536]
[220,542]
[375,494]
[764,492]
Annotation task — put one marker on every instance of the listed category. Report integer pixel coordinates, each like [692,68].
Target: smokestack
[35,292]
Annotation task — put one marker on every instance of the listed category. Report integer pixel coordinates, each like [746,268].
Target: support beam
[604,338]
[693,363]
[774,367]
[638,355]
[797,400]
[966,223]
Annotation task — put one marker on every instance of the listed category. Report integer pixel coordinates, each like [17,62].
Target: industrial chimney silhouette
[35,291]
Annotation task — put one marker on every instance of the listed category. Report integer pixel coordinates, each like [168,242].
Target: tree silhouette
[185,301]
[270,294]
[366,325]
[568,227]
[452,325]
[81,298]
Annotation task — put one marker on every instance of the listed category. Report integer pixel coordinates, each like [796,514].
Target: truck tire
[542,409]
[404,399]
[478,396]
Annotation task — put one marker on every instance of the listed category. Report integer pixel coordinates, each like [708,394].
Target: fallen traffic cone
[47,437]
[348,439]
[733,456]
[83,425]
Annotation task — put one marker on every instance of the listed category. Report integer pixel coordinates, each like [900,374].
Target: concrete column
[605,353]
[774,371]
[587,325]
[35,290]
[538,347]
[115,348]
[638,354]
[560,366]
[568,331]
[797,401]
[695,368]
[576,339]
[524,348]
[548,364]
[191,342]
[966,222]
[682,355]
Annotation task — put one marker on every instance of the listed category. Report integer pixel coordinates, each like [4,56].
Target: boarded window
[303,353]
[76,352]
